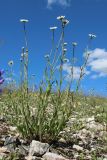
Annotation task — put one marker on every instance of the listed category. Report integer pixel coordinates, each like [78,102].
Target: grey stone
[11,143]
[37,148]
[77,148]
[32,158]
[53,156]
[23,150]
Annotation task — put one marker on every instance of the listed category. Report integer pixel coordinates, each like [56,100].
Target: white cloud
[100,75]
[98,63]
[64,3]
[97,66]
[98,53]
[76,70]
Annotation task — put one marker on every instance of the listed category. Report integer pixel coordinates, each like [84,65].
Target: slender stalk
[33,82]
[53,31]
[82,73]
[26,70]
[83,67]
[61,61]
[25,35]
[72,69]
[55,55]
[25,58]
[22,69]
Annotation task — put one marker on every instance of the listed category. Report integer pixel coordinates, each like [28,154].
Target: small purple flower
[1,72]
[1,78]
[1,81]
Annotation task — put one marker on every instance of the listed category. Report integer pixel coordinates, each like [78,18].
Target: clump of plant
[42,115]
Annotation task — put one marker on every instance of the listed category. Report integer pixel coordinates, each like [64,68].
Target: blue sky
[85,16]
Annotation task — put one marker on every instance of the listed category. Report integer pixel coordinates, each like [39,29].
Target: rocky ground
[82,139]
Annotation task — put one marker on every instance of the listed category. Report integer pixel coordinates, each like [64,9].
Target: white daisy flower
[53,28]
[91,36]
[65,22]
[74,44]
[24,20]
[23,54]
[65,43]
[10,63]
[65,50]
[60,17]
[46,56]
[66,60]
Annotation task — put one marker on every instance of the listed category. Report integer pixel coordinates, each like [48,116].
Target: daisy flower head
[53,28]
[92,36]
[46,56]
[65,22]
[10,63]
[65,50]
[74,44]
[24,20]
[60,18]
[65,43]
[66,60]
[23,54]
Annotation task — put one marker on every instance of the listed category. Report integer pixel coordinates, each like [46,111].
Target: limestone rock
[37,148]
[53,156]
[77,148]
